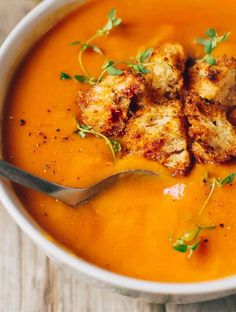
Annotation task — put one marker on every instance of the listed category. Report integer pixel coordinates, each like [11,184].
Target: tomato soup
[130,228]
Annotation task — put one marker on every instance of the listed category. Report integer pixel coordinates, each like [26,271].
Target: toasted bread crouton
[213,136]
[167,65]
[105,106]
[216,82]
[158,133]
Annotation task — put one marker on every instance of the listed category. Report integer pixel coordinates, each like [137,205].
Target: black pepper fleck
[22,122]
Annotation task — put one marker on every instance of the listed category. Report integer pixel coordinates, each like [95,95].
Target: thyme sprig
[210,44]
[140,66]
[215,182]
[137,64]
[189,241]
[114,145]
[112,22]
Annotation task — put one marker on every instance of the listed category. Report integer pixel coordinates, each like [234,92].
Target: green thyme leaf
[145,55]
[140,69]
[96,49]
[75,43]
[81,78]
[181,247]
[211,33]
[64,76]
[84,47]
[194,246]
[113,71]
[112,14]
[92,47]
[82,134]
[112,22]
[202,41]
[107,64]
[224,37]
[85,79]
[117,22]
[116,146]
[83,130]
[227,180]
[187,242]
[191,235]
[85,127]
[208,47]
[210,59]
[210,44]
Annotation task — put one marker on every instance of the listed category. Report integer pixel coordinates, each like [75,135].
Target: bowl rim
[60,254]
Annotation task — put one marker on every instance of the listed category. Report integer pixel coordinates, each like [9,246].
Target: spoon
[69,195]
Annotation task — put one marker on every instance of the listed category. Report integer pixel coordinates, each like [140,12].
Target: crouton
[157,132]
[167,65]
[213,136]
[106,106]
[216,82]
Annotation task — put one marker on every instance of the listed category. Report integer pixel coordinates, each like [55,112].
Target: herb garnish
[85,79]
[110,67]
[112,22]
[83,130]
[210,44]
[138,65]
[64,76]
[215,182]
[141,59]
[229,179]
[189,241]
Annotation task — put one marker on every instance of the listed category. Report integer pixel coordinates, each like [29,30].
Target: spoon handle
[22,177]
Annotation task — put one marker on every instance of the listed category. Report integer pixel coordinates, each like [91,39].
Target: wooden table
[30,282]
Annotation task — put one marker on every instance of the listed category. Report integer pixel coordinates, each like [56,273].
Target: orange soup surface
[129,229]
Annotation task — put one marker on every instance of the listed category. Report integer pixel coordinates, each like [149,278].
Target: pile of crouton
[177,114]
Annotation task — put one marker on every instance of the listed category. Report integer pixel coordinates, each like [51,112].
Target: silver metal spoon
[69,195]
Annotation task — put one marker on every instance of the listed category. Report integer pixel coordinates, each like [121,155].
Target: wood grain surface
[30,282]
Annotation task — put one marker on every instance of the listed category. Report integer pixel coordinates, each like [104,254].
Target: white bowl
[21,39]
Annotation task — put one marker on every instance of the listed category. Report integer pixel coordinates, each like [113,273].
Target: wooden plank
[222,305]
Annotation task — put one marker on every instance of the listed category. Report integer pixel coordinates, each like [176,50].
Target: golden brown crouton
[214,137]
[167,67]
[105,106]
[216,82]
[158,133]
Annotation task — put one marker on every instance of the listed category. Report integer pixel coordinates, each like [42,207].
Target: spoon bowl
[69,195]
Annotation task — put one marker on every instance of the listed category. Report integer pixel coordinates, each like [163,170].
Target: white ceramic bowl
[21,39]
